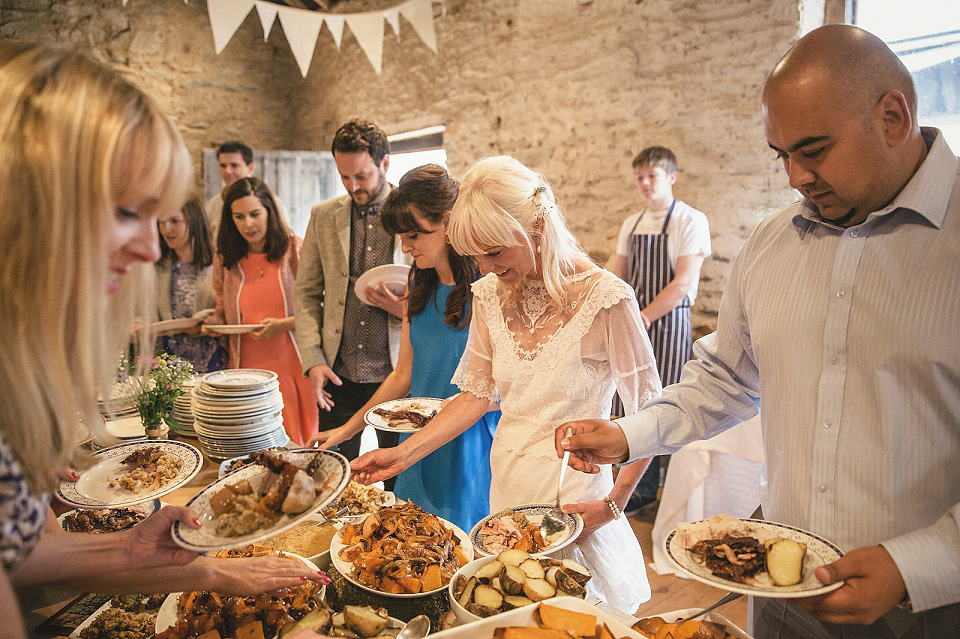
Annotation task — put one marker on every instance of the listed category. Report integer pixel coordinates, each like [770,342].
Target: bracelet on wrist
[613,507]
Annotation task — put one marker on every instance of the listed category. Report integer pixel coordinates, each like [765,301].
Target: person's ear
[897,121]
[672,178]
[446,219]
[385,163]
[251,168]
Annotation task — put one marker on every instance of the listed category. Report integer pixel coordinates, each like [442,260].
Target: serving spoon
[416,628]
[552,521]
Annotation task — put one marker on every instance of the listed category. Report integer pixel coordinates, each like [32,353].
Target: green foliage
[163,385]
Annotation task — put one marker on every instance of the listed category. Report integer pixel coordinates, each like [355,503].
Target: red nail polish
[303,578]
[197,522]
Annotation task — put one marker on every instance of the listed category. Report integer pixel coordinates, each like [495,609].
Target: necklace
[533,304]
[261,272]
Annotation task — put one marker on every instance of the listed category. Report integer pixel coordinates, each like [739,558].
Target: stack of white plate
[182,411]
[237,412]
[122,401]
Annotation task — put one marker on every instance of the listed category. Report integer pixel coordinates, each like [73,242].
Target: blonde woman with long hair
[552,336]
[89,161]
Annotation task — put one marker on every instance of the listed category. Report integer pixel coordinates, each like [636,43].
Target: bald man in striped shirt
[839,321]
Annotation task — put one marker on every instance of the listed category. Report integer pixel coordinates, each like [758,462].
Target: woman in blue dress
[454,480]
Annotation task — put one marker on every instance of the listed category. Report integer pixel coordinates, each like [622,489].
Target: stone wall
[573,88]
[243,93]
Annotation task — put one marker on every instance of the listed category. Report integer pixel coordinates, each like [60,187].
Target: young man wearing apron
[659,252]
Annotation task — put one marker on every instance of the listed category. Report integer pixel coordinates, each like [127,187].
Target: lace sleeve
[475,371]
[632,362]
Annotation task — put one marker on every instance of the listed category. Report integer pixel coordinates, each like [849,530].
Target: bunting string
[302,27]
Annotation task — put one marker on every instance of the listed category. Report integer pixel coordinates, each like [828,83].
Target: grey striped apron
[648,272]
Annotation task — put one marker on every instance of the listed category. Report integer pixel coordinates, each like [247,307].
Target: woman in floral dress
[552,336]
[185,287]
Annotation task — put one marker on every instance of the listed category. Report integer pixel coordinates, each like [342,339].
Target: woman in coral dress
[253,276]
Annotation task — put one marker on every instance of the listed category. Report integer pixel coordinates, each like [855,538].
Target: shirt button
[369,226]
[827,424]
[854,233]
[822,488]
[833,359]
[363,323]
[360,346]
[340,302]
[369,248]
[841,294]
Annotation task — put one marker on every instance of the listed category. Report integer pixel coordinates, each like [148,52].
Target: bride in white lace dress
[552,337]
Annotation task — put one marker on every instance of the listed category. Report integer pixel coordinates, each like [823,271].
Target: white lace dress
[548,366]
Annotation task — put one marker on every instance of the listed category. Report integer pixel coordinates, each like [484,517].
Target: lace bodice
[548,365]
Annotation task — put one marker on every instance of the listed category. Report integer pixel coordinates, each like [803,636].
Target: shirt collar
[927,193]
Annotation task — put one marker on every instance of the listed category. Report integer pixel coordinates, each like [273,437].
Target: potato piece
[687,629]
[568,584]
[488,597]
[578,623]
[480,611]
[495,583]
[390,586]
[551,575]
[210,634]
[366,621]
[348,533]
[667,631]
[318,620]
[467,595]
[253,630]
[533,568]
[785,561]
[512,579]
[649,625]
[459,584]
[577,571]
[513,557]
[489,571]
[370,524]
[410,584]
[538,589]
[515,601]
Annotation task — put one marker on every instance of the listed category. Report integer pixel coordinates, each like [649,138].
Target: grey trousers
[778,619]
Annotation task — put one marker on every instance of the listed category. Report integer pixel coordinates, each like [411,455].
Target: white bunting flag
[419,13]
[226,16]
[392,16]
[302,29]
[335,24]
[268,15]
[367,28]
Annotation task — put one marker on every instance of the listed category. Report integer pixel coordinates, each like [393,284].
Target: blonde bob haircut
[502,203]
[76,138]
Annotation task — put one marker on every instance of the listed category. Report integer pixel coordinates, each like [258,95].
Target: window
[926,36]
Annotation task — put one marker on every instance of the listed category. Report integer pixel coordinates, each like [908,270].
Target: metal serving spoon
[725,600]
[553,521]
[416,628]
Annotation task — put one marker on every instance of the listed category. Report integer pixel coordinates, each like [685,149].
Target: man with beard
[348,347]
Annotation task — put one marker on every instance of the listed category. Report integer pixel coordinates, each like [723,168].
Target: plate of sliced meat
[403,415]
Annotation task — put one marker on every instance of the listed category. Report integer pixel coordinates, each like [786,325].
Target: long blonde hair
[76,138]
[501,203]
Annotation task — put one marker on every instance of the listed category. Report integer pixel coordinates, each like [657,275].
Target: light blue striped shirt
[848,338]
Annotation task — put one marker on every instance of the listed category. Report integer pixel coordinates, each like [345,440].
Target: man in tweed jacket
[349,347]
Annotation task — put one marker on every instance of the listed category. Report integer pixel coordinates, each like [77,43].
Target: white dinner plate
[181,324]
[534,514]
[93,489]
[232,329]
[130,427]
[395,277]
[345,568]
[146,509]
[819,552]
[238,379]
[420,404]
[167,616]
[330,479]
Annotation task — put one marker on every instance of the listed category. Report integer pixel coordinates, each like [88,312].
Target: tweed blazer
[204,299]
[323,285]
[227,284]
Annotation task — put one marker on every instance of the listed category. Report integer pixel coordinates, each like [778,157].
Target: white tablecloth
[710,477]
